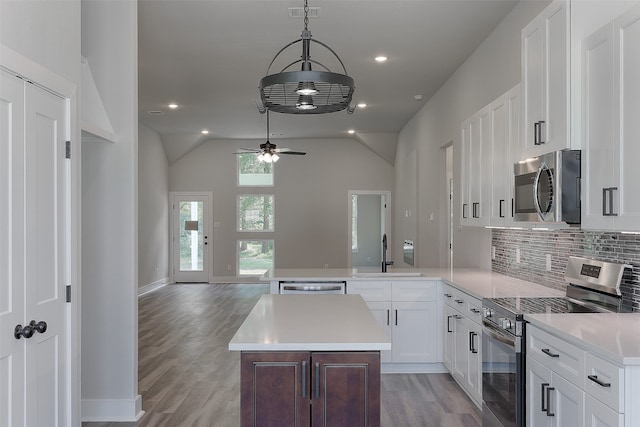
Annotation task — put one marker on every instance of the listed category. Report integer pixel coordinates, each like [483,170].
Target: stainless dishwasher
[312,287]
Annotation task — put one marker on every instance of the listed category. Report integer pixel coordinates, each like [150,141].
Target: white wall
[311,197]
[490,71]
[110,219]
[153,210]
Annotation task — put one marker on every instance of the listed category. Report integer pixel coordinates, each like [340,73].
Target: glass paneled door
[191,236]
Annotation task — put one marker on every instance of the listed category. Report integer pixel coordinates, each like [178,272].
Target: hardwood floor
[187,377]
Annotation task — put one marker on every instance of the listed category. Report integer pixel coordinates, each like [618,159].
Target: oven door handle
[499,336]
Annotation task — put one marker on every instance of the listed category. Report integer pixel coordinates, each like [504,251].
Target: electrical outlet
[326,266]
[228,267]
[518,255]
[493,252]
[548,262]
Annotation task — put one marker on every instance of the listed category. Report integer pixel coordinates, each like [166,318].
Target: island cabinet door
[275,389]
[345,389]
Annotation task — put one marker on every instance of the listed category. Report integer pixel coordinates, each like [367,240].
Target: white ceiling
[209,55]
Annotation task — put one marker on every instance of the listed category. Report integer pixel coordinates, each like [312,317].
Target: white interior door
[34,187]
[191,236]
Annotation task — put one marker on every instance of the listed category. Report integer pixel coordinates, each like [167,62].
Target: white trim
[152,286]
[112,410]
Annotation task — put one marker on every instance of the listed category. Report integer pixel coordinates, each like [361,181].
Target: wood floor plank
[188,378]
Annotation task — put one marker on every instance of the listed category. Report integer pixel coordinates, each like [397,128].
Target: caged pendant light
[306,91]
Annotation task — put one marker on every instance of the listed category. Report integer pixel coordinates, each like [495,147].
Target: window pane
[255,257]
[255,212]
[191,236]
[252,172]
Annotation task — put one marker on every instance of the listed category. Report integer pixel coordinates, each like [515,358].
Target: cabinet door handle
[598,381]
[549,353]
[536,131]
[464,210]
[540,132]
[476,208]
[542,408]
[317,380]
[449,324]
[304,379]
[500,213]
[607,199]
[512,207]
[472,347]
[388,316]
[396,317]
[549,413]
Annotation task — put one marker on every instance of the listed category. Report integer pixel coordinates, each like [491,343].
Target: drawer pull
[459,301]
[595,379]
[475,311]
[549,353]
[448,295]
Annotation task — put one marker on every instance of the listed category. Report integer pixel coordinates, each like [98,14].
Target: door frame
[19,65]
[208,218]
[386,223]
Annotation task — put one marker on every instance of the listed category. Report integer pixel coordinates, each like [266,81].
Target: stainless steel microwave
[547,188]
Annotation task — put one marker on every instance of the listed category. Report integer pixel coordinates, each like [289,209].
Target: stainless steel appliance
[593,286]
[547,188]
[312,287]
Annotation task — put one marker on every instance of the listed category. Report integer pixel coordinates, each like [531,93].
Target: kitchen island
[310,360]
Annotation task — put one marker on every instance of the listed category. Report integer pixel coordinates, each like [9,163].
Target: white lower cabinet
[567,385]
[463,341]
[408,313]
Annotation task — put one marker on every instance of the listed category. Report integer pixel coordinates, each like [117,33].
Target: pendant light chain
[306,15]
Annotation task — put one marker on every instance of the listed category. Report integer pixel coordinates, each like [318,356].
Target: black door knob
[40,327]
[20,331]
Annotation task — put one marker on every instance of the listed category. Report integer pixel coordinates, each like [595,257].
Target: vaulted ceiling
[208,56]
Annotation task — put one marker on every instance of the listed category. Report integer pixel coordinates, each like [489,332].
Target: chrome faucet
[385,263]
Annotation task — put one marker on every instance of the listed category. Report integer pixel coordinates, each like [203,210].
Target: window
[354,223]
[255,257]
[255,212]
[252,172]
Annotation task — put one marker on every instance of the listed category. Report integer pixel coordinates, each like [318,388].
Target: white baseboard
[112,410]
[153,286]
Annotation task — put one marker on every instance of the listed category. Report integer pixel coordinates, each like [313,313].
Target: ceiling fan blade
[297,153]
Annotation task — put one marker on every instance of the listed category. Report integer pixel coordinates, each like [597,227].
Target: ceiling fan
[268,152]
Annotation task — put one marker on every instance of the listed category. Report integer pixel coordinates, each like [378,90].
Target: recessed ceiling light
[205,132]
[173,106]
[362,105]
[418,97]
[351,131]
[380,58]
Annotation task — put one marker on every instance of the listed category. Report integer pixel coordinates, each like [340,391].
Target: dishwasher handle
[312,288]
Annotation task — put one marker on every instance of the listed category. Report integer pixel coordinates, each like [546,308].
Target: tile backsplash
[535,246]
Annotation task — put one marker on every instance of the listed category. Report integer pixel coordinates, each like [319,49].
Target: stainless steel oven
[503,363]
[547,188]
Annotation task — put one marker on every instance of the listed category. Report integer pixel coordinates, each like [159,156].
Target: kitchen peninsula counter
[473,281]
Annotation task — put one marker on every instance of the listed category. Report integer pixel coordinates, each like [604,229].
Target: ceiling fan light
[274,157]
[267,158]
[261,157]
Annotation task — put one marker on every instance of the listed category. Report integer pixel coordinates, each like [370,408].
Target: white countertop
[615,336]
[310,323]
[477,283]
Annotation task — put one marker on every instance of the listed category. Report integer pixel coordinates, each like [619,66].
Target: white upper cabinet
[610,126]
[475,187]
[505,137]
[545,80]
